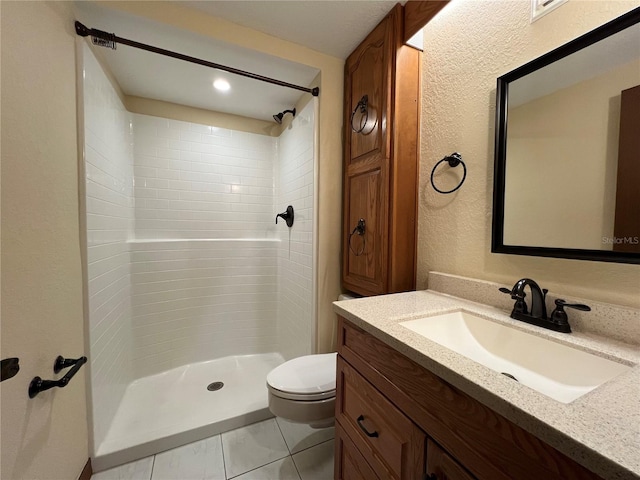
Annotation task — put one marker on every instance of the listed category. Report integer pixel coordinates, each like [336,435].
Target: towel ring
[359,229]
[363,107]
[454,160]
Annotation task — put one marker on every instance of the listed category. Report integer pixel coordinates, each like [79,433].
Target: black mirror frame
[502,92]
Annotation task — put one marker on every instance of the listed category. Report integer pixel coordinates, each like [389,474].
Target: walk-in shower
[194,293]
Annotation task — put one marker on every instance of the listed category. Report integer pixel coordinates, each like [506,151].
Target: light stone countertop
[600,430]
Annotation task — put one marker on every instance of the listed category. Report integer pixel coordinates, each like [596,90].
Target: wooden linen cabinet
[381,161]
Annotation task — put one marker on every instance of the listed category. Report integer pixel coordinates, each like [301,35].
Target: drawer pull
[369,434]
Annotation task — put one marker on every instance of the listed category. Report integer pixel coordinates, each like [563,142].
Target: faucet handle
[560,304]
[560,317]
[515,295]
[520,305]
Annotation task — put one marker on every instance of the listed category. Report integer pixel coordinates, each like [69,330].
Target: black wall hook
[287,216]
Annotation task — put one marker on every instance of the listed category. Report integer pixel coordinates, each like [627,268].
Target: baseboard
[87,471]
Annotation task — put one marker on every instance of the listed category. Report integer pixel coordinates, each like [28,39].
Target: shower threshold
[175,407]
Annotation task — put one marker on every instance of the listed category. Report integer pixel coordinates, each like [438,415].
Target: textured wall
[466,49]
[109,220]
[42,310]
[295,252]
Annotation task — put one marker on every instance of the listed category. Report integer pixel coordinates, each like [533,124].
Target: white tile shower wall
[295,254]
[196,300]
[109,206]
[204,259]
[197,181]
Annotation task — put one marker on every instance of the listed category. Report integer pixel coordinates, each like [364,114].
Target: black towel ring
[359,229]
[454,160]
[363,106]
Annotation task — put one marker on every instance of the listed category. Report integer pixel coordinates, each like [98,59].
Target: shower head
[279,116]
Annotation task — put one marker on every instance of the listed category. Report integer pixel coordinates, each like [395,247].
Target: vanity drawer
[392,443]
[442,466]
[350,464]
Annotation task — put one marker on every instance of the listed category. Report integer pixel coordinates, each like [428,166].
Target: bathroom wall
[212,273]
[197,300]
[109,222]
[295,251]
[198,181]
[204,257]
[466,49]
[42,304]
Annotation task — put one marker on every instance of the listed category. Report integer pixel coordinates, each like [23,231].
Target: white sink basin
[558,371]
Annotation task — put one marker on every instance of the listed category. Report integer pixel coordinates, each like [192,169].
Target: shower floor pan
[174,408]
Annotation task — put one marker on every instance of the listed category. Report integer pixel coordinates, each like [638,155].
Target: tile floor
[271,450]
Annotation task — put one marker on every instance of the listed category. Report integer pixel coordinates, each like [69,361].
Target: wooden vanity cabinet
[426,428]
[381,162]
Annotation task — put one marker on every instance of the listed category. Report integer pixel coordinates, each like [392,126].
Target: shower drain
[212,387]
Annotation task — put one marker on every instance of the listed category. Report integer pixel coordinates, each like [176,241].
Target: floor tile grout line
[295,465]
[282,434]
[307,448]
[224,463]
[256,468]
[153,465]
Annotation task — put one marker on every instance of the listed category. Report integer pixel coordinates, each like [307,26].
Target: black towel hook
[454,160]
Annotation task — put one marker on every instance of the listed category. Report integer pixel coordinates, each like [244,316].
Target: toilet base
[317,413]
[326,424]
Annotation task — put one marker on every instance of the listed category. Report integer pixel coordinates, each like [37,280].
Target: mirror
[567,156]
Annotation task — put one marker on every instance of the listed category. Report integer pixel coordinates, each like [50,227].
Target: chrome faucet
[538,316]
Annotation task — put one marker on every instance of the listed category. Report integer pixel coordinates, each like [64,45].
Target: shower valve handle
[287,216]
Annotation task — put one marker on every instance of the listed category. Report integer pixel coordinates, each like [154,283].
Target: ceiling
[331,27]
[334,27]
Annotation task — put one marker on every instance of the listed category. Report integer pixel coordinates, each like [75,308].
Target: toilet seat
[307,378]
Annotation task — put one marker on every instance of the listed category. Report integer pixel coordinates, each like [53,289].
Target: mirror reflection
[572,153]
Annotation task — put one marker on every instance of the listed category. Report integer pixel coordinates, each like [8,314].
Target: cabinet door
[350,464]
[366,163]
[365,256]
[368,72]
[440,466]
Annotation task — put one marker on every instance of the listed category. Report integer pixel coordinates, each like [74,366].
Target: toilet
[303,390]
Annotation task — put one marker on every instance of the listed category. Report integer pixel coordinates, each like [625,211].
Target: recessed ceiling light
[222,85]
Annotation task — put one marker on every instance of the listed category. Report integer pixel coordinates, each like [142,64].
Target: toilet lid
[310,374]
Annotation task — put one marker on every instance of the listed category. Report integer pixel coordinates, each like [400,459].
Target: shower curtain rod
[110,40]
